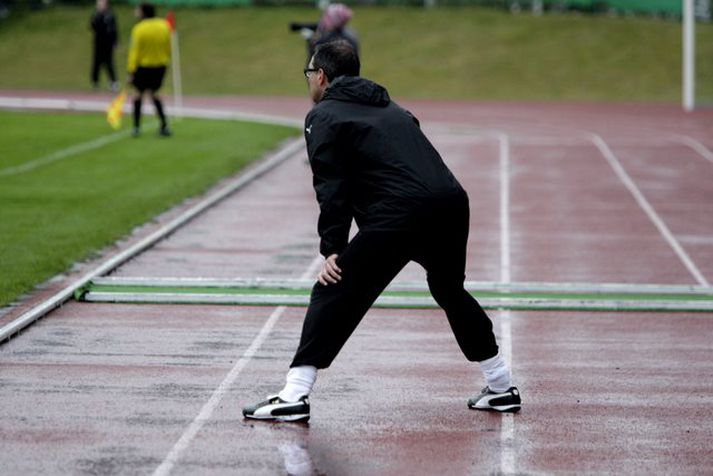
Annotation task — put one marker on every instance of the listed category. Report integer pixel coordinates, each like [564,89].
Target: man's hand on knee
[330,273]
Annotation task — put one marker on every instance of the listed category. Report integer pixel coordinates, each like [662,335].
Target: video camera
[305,29]
[297,26]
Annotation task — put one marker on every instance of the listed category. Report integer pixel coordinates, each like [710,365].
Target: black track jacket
[370,161]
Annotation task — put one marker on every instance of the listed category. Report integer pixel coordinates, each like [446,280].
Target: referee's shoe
[275,408]
[507,401]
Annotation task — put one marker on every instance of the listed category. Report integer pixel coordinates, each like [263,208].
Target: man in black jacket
[106,36]
[371,163]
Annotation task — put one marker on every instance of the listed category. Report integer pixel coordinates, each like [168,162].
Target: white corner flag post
[689,55]
[175,65]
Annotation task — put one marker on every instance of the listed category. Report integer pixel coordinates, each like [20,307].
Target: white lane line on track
[207,411]
[646,206]
[65,153]
[507,422]
[704,151]
[504,208]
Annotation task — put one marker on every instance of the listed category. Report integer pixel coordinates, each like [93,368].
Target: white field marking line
[65,153]
[243,178]
[646,206]
[207,411]
[241,116]
[79,105]
[704,151]
[507,422]
[52,104]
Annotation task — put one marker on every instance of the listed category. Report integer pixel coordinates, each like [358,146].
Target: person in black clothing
[106,37]
[371,162]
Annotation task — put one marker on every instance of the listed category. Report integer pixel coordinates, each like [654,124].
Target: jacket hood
[358,90]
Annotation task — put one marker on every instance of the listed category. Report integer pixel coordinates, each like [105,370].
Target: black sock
[137,113]
[159,110]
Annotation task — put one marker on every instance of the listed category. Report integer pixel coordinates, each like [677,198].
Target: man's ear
[322,77]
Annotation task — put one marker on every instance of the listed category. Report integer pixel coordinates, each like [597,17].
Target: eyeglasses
[309,70]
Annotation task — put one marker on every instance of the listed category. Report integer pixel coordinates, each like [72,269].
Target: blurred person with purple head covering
[333,27]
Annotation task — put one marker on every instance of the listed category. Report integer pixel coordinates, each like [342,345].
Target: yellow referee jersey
[150,44]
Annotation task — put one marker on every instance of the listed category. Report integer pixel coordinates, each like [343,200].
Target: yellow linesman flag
[116,110]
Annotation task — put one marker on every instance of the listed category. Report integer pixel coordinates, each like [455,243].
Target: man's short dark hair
[147,10]
[337,58]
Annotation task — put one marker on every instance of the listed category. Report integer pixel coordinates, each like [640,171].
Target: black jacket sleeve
[329,171]
[112,30]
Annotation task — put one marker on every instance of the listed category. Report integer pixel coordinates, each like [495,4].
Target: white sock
[299,383]
[497,373]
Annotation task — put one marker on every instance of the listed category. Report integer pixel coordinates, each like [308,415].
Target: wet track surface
[142,389]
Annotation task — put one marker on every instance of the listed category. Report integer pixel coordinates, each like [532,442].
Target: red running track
[136,389]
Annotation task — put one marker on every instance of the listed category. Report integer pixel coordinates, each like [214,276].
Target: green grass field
[448,53]
[62,211]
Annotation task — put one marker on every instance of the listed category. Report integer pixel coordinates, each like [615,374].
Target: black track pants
[369,263]
[103,56]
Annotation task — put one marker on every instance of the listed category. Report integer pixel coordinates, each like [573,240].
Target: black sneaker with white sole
[275,408]
[507,401]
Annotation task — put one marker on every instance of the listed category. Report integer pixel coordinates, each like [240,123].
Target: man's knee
[444,288]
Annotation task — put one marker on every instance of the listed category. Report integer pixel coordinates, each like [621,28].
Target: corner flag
[175,65]
[171,19]
[116,110]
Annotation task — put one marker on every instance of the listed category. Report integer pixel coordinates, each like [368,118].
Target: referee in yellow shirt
[149,54]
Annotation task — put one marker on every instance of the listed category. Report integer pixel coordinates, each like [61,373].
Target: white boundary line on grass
[207,411]
[507,422]
[646,206]
[52,104]
[64,153]
[101,106]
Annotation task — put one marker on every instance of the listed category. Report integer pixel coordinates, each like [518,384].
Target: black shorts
[149,78]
